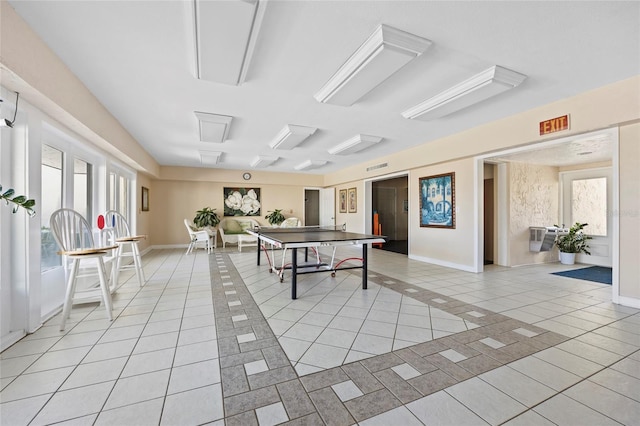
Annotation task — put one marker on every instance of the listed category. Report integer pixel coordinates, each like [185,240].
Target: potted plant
[572,243]
[18,201]
[275,217]
[206,218]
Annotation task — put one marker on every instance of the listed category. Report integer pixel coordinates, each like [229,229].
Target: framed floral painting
[353,200]
[343,200]
[242,202]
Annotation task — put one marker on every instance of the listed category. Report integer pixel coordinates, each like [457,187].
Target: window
[83,188]
[589,204]
[51,200]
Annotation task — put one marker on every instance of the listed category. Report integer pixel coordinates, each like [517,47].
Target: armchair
[200,237]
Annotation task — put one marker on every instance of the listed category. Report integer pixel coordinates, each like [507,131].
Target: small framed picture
[145,199]
[353,200]
[343,200]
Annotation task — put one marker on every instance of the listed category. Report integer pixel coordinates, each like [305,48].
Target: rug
[599,274]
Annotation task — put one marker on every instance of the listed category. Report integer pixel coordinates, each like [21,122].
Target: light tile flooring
[508,346]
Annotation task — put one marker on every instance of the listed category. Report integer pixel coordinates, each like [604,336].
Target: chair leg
[137,261]
[104,286]
[68,299]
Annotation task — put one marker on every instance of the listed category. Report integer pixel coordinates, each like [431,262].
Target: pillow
[232,227]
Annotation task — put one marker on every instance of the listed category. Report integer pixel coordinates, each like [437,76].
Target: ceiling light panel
[354,144]
[263,161]
[310,164]
[291,136]
[210,158]
[478,88]
[225,36]
[213,127]
[382,54]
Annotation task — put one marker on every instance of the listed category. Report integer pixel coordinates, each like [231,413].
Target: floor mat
[599,274]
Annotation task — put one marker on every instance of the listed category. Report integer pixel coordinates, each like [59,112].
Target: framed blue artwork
[438,201]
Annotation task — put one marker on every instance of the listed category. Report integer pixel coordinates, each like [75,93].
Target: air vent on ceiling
[377,166]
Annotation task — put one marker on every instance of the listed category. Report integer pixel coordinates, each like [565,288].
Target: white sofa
[232,231]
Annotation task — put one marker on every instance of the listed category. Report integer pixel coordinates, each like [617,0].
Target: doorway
[390,202]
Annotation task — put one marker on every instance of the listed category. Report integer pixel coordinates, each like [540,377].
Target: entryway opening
[390,211]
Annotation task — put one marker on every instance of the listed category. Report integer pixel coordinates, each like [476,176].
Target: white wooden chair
[199,237]
[120,235]
[75,238]
[291,222]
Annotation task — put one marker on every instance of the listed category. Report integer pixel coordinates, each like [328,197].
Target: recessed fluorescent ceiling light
[225,38]
[213,127]
[355,144]
[210,157]
[291,136]
[262,161]
[310,164]
[382,54]
[481,86]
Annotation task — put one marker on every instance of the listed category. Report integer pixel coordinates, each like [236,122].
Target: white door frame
[503,211]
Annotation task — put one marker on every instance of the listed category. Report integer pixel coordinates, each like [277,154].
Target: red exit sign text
[554,125]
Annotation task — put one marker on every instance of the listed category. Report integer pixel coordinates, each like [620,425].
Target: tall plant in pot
[275,217]
[207,218]
[572,243]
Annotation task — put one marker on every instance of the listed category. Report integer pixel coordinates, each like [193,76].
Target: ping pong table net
[296,229]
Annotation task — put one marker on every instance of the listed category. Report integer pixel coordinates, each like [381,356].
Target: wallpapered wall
[533,201]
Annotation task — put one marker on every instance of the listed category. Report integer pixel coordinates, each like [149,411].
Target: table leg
[258,250]
[294,272]
[306,254]
[364,266]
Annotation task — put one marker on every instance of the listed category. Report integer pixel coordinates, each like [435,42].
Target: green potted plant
[275,217]
[572,243]
[206,218]
[18,201]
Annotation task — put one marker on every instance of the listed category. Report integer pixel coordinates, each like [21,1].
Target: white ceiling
[137,57]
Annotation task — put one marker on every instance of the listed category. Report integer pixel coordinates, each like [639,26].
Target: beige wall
[143,218]
[182,191]
[454,247]
[629,213]
[355,222]
[533,201]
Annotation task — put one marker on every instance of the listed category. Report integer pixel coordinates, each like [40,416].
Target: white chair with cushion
[199,237]
[75,238]
[233,231]
[291,222]
[121,236]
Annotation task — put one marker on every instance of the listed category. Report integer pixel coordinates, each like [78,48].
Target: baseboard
[439,262]
[630,302]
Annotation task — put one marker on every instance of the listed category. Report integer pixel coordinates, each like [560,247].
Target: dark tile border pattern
[310,399]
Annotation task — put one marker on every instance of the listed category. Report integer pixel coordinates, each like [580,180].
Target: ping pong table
[312,237]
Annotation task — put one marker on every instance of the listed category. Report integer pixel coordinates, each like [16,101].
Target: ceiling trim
[385,51]
[291,136]
[263,161]
[213,127]
[209,158]
[355,144]
[310,164]
[478,88]
[225,37]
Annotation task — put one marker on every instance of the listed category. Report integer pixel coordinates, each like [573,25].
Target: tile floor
[216,340]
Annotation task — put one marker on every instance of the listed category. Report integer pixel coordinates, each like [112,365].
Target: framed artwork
[438,201]
[353,200]
[144,205]
[342,198]
[242,201]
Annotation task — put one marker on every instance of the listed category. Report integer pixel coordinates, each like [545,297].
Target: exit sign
[554,125]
